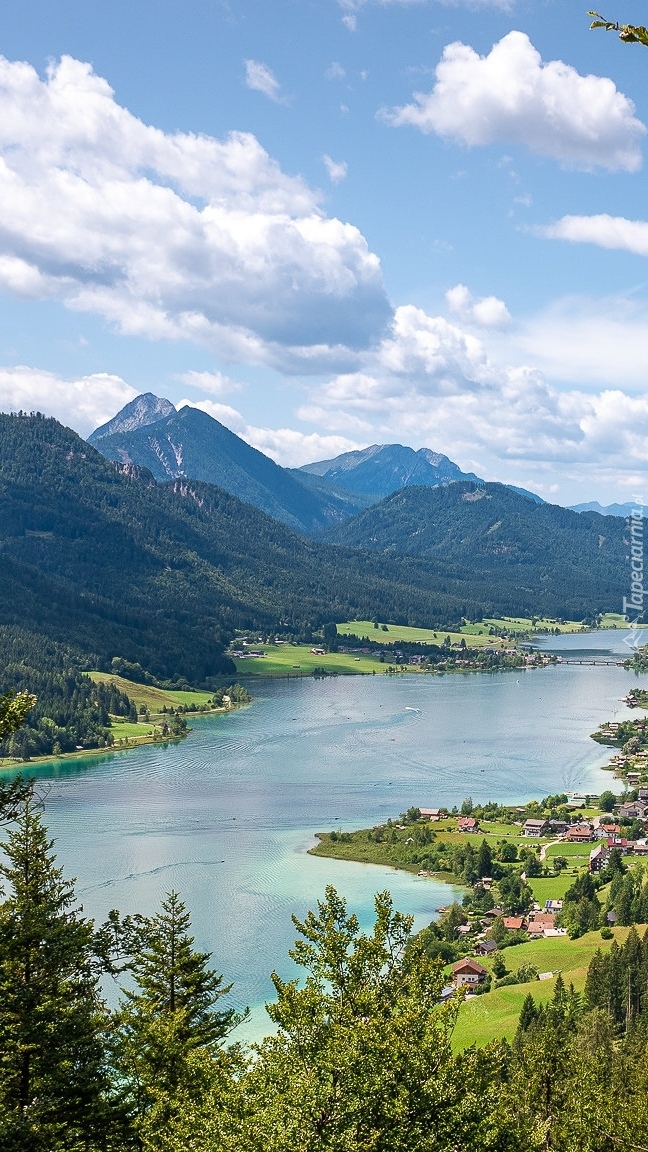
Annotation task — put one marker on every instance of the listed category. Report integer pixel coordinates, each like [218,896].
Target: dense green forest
[361,1057]
[525,557]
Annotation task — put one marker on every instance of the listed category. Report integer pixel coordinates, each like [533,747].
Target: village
[485,933]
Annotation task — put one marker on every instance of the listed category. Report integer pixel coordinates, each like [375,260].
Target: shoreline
[12,765]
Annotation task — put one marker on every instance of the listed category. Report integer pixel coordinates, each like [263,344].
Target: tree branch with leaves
[629,33]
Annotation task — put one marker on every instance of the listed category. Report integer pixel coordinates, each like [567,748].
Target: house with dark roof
[486,947]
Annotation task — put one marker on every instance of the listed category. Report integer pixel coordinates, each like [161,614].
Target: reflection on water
[226,815]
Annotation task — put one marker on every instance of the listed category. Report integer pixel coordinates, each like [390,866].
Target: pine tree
[168,1026]
[53,1081]
[484,859]
[528,1014]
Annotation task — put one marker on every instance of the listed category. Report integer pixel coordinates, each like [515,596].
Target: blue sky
[332,223]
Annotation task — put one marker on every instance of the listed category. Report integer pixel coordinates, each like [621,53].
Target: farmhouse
[558,827]
[468,973]
[535,827]
[513,923]
[430,813]
[578,834]
[486,947]
[467,824]
[633,810]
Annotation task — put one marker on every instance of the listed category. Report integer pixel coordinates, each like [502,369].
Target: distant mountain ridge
[99,558]
[381,469]
[623,510]
[507,545]
[149,432]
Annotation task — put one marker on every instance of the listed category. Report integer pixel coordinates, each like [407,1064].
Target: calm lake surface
[226,815]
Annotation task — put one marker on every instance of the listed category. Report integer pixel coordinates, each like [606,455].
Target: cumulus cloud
[485,311]
[337,169]
[431,383]
[83,404]
[335,71]
[512,96]
[260,78]
[174,236]
[603,230]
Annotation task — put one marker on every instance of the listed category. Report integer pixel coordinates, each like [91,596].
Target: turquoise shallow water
[226,815]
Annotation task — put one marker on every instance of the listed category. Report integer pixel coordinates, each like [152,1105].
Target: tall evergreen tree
[168,1025]
[53,1081]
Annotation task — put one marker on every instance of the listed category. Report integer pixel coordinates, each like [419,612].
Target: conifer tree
[53,1080]
[168,1026]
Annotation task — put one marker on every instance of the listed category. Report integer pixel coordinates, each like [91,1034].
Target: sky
[335,223]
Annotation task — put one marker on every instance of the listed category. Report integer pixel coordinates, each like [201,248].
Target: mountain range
[151,433]
[509,547]
[377,471]
[623,510]
[189,444]
[100,560]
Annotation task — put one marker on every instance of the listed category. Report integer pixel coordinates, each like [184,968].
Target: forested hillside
[523,556]
[110,563]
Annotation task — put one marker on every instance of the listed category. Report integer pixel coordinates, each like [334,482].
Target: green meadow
[476,635]
[298,660]
[495,1014]
[154,698]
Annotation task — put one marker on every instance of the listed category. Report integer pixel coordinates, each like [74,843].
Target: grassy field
[154,698]
[495,1015]
[297,659]
[551,887]
[400,634]
[475,635]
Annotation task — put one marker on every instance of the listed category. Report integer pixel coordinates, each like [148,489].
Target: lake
[226,816]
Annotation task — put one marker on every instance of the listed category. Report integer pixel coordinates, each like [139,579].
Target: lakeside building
[579,834]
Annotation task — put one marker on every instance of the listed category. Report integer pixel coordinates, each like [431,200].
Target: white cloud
[586,342]
[335,71]
[337,169]
[512,96]
[260,78]
[215,382]
[432,384]
[173,235]
[486,311]
[603,230]
[83,404]
[292,448]
[230,417]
